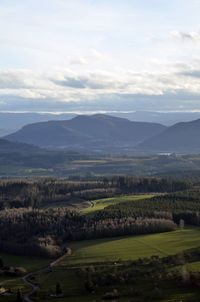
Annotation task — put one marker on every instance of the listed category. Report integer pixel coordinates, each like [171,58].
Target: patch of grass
[100,204]
[191,267]
[13,283]
[132,247]
[72,285]
[28,262]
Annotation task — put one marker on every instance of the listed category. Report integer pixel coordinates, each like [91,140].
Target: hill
[98,131]
[12,121]
[181,137]
[14,155]
[15,147]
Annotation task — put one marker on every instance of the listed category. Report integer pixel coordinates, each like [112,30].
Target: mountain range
[181,137]
[13,121]
[101,132]
[97,132]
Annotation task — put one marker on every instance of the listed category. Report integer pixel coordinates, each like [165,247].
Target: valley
[131,231]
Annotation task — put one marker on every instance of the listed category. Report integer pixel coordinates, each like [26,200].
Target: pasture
[30,263]
[132,247]
[101,204]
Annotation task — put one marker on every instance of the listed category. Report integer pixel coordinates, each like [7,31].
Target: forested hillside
[100,132]
[31,220]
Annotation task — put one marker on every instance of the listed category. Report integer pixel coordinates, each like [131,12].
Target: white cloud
[186,35]
[97,54]
[78,61]
[79,51]
[67,86]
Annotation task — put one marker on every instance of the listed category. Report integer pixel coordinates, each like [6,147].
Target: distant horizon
[100,112]
[91,55]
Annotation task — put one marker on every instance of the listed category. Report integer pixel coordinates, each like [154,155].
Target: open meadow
[30,263]
[132,247]
[101,204]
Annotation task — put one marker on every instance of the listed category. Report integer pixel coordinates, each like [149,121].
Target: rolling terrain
[97,132]
[132,247]
[105,133]
[181,137]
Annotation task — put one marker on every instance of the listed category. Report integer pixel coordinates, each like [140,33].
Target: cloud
[94,81]
[193,36]
[97,54]
[98,90]
[194,73]
[78,61]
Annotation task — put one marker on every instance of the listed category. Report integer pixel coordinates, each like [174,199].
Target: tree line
[35,193]
[46,232]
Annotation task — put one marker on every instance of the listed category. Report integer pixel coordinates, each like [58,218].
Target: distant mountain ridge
[95,131]
[181,137]
[10,122]
[105,133]
[8,147]
[13,121]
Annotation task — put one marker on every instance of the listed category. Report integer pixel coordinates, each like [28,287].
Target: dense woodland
[29,226]
[46,232]
[35,193]
[181,205]
[156,273]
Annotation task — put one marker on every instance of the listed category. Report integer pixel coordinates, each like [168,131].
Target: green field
[100,204]
[72,284]
[133,247]
[192,266]
[15,283]
[73,287]
[28,262]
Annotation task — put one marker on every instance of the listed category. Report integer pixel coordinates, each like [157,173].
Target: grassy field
[72,284]
[100,204]
[192,266]
[28,262]
[15,283]
[133,247]
[73,287]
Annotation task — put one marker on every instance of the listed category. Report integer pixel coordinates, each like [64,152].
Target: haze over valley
[99,151]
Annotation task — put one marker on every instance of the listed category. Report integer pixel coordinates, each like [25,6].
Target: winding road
[34,288]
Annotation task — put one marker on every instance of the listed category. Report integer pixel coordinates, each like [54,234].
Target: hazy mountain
[165,118]
[183,137]
[15,147]
[96,132]
[10,122]
[19,158]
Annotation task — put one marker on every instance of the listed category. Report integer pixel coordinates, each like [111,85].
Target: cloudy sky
[99,55]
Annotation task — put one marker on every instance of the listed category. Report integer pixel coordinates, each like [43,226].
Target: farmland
[100,204]
[126,243]
[30,263]
[133,247]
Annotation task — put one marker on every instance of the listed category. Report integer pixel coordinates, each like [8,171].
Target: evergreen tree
[1,263]
[19,296]
[58,289]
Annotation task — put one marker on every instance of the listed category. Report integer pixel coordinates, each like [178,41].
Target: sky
[99,55]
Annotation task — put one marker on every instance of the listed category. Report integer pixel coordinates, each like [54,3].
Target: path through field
[33,287]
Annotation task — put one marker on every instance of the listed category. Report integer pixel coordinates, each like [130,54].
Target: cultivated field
[28,262]
[133,247]
[100,204]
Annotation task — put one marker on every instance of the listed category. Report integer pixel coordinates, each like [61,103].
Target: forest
[180,205]
[57,220]
[32,223]
[34,193]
